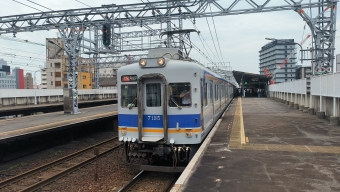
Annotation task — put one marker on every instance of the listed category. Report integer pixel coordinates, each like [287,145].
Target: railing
[27,96]
[326,85]
[322,97]
[298,87]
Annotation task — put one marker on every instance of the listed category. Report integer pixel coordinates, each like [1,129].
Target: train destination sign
[129,78]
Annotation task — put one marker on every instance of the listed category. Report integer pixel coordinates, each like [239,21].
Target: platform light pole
[35,89]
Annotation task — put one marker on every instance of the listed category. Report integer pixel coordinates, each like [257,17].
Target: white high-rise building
[273,54]
[7,81]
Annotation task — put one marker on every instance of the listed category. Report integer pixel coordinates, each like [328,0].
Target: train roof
[173,55]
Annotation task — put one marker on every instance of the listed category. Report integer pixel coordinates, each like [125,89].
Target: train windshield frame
[129,95]
[178,94]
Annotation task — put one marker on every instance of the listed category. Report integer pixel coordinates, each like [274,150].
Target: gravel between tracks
[112,173]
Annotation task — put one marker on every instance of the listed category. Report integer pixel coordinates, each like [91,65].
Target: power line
[212,39]
[27,5]
[20,40]
[19,50]
[201,37]
[218,42]
[82,3]
[20,56]
[40,5]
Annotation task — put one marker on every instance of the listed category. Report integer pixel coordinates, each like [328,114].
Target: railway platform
[25,135]
[23,110]
[271,147]
[24,126]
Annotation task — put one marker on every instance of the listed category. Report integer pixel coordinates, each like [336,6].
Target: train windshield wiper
[132,104]
[173,100]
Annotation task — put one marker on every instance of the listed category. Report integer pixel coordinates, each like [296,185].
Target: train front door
[152,129]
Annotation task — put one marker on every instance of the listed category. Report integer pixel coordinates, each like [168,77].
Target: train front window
[180,95]
[153,95]
[129,95]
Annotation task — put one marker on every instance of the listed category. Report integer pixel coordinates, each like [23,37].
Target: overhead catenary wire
[218,58]
[20,56]
[201,37]
[19,50]
[82,3]
[20,40]
[40,5]
[218,42]
[27,5]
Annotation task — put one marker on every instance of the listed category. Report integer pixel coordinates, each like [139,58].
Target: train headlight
[142,62]
[161,61]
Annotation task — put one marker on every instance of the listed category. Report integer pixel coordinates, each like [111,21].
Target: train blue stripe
[156,121]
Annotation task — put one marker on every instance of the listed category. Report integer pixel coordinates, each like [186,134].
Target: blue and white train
[154,122]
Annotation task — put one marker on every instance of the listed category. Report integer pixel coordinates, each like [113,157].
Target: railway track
[38,178]
[151,181]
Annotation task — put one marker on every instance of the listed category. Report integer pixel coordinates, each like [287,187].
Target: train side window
[153,95]
[129,95]
[211,93]
[216,95]
[205,94]
[180,94]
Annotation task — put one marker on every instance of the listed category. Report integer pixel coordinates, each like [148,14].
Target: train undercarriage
[170,156]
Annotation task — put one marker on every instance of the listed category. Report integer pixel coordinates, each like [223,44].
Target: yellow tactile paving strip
[237,133]
[55,124]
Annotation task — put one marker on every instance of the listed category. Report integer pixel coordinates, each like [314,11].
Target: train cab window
[153,95]
[180,94]
[129,95]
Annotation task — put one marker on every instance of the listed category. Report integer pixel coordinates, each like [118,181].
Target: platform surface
[21,107]
[288,150]
[28,124]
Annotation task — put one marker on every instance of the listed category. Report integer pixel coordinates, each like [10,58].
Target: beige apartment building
[28,81]
[54,75]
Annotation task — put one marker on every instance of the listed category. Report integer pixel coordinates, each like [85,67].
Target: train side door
[152,126]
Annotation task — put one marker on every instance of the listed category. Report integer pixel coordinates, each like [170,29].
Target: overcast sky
[240,37]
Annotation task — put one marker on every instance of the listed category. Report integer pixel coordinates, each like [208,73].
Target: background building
[54,75]
[28,81]
[51,75]
[7,81]
[273,54]
[19,76]
[107,78]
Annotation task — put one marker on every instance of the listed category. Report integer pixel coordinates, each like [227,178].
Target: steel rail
[132,183]
[26,175]
[145,174]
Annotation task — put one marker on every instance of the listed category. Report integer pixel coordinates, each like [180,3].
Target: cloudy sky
[240,36]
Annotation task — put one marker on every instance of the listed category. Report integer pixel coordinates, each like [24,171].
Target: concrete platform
[13,128]
[288,150]
[51,107]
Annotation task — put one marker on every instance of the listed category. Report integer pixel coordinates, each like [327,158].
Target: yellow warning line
[238,139]
[237,136]
[290,148]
